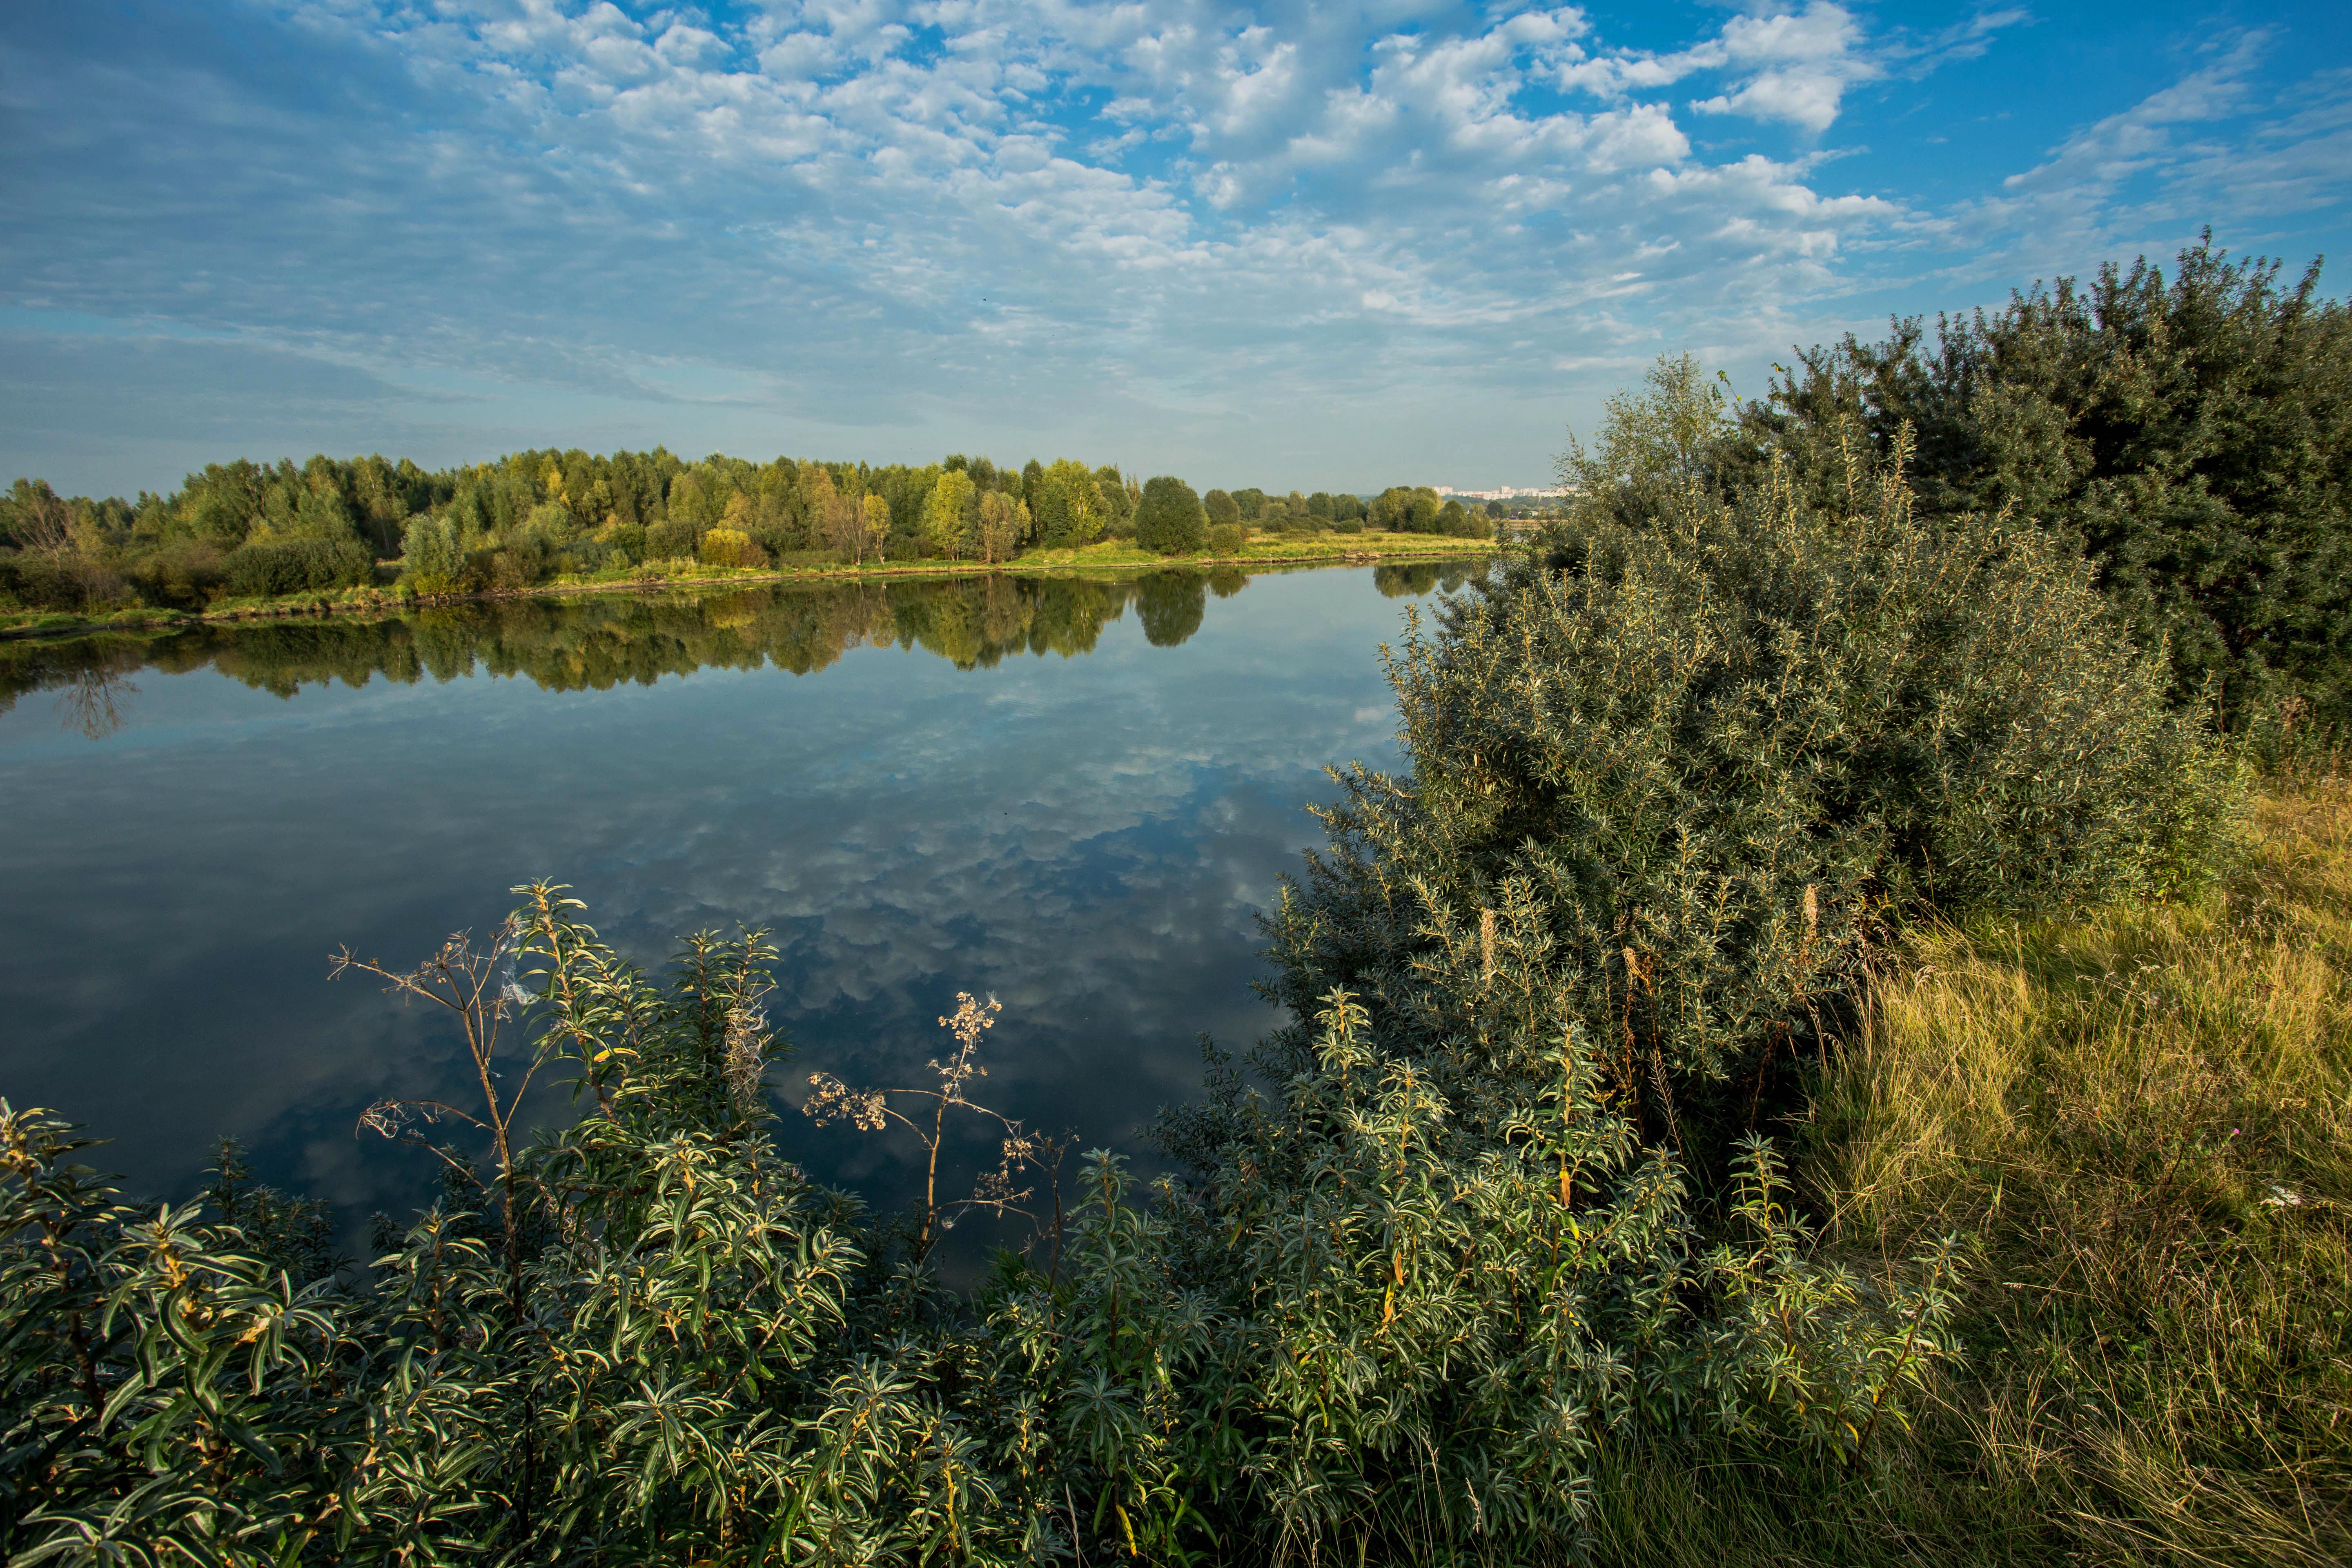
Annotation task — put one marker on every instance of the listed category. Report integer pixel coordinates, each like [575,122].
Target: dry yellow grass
[2145,1118]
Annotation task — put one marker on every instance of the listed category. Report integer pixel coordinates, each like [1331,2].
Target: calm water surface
[1074,795]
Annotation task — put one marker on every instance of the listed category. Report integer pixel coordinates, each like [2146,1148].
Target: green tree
[1003,521]
[431,561]
[2191,434]
[1405,508]
[952,515]
[1652,446]
[1170,520]
[1220,507]
[1118,505]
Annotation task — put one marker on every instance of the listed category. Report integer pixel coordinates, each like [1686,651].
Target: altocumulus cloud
[1300,243]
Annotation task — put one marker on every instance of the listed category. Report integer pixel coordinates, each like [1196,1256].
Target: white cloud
[1157,229]
[1787,66]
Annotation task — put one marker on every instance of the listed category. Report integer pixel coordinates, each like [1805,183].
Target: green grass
[2145,1120]
[35,622]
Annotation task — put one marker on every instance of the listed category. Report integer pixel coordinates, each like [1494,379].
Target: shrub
[729,547]
[585,554]
[508,570]
[1661,780]
[1707,757]
[670,540]
[471,1407]
[43,580]
[627,540]
[1226,538]
[431,561]
[184,572]
[296,566]
[1347,525]
[1170,518]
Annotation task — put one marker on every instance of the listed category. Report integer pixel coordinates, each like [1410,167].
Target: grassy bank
[1110,556]
[2145,1120]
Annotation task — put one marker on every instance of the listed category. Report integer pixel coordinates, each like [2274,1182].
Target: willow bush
[1709,755]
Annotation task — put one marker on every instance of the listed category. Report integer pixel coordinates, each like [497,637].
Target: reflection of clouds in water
[1086,837]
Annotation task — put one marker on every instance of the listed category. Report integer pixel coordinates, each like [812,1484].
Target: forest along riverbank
[1113,557]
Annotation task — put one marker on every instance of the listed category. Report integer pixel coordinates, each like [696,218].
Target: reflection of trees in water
[91,676]
[87,700]
[1408,578]
[597,643]
[1170,604]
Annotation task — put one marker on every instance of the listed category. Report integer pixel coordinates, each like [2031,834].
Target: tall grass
[2144,1119]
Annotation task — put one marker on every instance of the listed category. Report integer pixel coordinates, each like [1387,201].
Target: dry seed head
[836,1100]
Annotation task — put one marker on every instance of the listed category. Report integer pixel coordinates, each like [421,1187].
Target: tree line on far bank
[246,530]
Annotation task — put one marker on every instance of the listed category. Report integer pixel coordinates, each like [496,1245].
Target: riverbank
[1371,548]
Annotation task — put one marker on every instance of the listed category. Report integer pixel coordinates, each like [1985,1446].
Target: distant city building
[1507,492]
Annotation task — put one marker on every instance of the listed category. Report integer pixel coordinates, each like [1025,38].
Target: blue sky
[1310,245]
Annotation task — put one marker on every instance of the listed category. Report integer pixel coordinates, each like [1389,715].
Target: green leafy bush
[1716,752]
[260,569]
[625,539]
[670,540]
[730,547]
[39,580]
[1170,518]
[431,560]
[650,1339]
[1226,538]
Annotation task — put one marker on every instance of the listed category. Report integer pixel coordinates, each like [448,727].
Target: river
[1074,795]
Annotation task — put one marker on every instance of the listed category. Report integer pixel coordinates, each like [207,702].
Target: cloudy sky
[1320,245]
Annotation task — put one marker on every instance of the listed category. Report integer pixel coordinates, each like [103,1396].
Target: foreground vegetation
[2137,1118]
[1819,1056]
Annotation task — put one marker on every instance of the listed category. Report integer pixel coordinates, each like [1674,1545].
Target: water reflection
[883,775]
[595,643]
[89,700]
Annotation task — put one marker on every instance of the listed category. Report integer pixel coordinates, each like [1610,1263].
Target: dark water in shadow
[1072,795]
